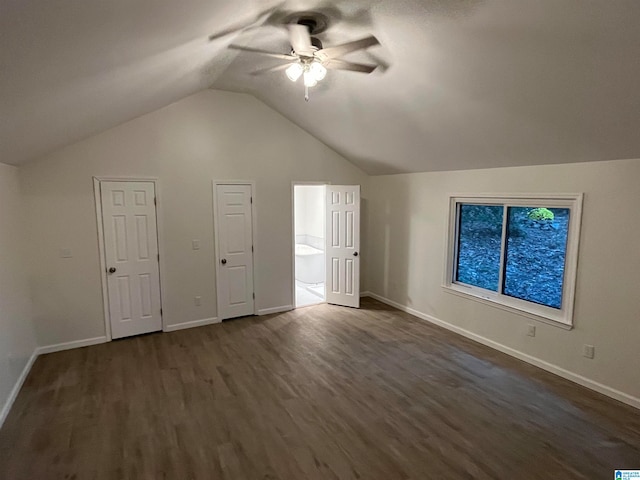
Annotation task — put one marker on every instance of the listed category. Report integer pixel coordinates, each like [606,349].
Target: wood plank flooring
[318,393]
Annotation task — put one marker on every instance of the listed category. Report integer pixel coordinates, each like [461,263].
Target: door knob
[355,254]
[223,261]
[112,270]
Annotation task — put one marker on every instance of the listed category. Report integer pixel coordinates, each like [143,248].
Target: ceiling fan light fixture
[309,79]
[294,71]
[318,71]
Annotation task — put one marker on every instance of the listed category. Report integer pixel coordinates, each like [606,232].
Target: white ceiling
[467,84]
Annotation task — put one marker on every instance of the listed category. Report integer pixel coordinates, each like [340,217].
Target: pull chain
[306,93]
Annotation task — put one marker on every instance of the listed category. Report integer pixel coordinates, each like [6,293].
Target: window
[519,252]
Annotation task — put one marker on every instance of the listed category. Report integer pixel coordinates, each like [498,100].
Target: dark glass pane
[536,250]
[479,244]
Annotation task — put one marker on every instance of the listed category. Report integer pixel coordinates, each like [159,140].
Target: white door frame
[102,250]
[254,228]
[293,235]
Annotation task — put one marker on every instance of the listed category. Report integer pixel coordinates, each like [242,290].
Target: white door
[234,240]
[131,254]
[343,245]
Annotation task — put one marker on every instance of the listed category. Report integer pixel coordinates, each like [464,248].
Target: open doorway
[309,203]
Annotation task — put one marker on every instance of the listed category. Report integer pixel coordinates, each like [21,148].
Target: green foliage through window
[535,247]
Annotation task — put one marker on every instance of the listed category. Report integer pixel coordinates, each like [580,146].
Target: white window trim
[563,317]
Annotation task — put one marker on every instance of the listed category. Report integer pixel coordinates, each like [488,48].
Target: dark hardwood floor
[318,393]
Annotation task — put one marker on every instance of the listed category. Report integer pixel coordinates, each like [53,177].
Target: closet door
[131,255]
[234,241]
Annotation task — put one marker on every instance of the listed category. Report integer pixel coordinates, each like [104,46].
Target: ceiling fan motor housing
[316,22]
[316,43]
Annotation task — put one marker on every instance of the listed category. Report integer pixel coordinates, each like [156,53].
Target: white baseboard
[549,367]
[366,294]
[270,311]
[191,324]
[69,345]
[16,388]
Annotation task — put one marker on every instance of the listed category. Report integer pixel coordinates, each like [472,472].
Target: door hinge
[160,312]
[252,248]
[155,201]
[158,257]
[254,295]
[251,199]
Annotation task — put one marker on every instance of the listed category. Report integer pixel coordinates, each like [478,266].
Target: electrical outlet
[195,244]
[588,351]
[531,331]
[197,301]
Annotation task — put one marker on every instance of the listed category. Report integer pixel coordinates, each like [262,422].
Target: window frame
[562,317]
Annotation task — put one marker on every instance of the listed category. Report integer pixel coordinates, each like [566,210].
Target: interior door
[131,254]
[343,245]
[234,239]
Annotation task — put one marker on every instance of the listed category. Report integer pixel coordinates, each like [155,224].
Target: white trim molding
[59,347]
[537,362]
[270,311]
[192,324]
[6,408]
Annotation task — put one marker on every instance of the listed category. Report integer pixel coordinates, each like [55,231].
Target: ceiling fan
[308,57]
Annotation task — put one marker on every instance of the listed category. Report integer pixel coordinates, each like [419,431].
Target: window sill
[493,303]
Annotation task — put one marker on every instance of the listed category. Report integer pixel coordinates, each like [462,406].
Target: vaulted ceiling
[462,84]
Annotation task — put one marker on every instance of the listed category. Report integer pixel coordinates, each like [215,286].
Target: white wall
[210,135]
[231,136]
[407,230]
[17,338]
[310,210]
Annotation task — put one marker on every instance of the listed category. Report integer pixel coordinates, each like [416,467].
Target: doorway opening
[309,204]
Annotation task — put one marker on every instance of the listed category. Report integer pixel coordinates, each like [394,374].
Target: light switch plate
[65,253]
[195,244]
[589,351]
[531,331]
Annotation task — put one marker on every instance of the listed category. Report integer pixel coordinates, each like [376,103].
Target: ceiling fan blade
[336,64]
[340,50]
[300,39]
[280,56]
[277,68]
[257,20]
